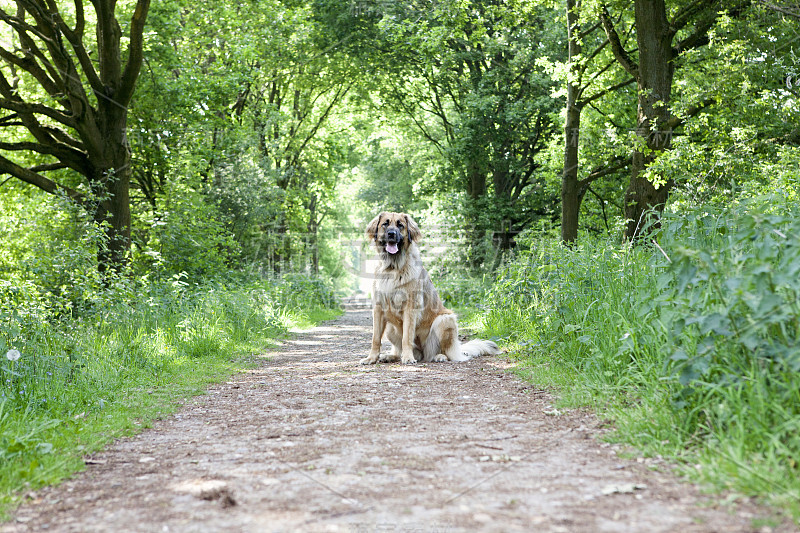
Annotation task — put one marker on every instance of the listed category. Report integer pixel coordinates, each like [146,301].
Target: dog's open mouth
[391,248]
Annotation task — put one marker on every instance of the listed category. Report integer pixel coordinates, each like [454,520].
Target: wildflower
[13,355]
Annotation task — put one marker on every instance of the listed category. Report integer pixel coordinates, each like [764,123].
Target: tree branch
[29,176]
[31,67]
[76,42]
[23,108]
[48,77]
[18,22]
[620,53]
[69,156]
[135,55]
[71,91]
[602,206]
[699,37]
[80,19]
[616,163]
[341,91]
[676,121]
[682,18]
[607,90]
[792,11]
[48,167]
[589,30]
[10,120]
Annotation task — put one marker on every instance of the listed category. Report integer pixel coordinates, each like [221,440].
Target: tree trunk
[111,178]
[654,38]
[312,242]
[644,201]
[476,173]
[476,177]
[570,190]
[570,197]
[114,214]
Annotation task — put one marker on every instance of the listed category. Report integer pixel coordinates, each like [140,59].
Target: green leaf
[16,447]
[44,447]
[693,371]
[714,323]
[679,355]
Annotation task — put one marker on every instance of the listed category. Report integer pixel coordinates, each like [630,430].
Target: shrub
[691,340]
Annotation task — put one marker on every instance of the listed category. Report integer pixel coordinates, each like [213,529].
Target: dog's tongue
[391,247]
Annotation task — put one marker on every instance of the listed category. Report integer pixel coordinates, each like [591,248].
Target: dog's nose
[392,234]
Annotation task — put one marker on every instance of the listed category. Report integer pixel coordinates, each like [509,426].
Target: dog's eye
[400,225]
[385,223]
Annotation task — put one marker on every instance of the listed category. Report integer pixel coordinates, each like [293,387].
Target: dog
[405,304]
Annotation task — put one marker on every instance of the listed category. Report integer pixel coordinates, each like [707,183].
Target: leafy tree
[661,40]
[581,91]
[747,142]
[464,75]
[65,93]
[245,118]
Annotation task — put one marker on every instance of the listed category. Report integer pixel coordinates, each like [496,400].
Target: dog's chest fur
[394,289]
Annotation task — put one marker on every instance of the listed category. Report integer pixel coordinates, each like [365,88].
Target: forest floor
[312,441]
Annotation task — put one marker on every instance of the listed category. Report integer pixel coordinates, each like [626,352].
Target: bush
[690,341]
[190,237]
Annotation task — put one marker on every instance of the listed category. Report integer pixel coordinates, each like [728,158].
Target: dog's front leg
[409,331]
[378,325]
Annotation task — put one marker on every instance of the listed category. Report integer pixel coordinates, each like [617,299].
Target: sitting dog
[405,304]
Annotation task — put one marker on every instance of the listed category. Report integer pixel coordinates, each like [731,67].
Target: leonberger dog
[405,304]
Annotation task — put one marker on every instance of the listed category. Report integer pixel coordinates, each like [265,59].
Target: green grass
[81,381]
[691,346]
[43,447]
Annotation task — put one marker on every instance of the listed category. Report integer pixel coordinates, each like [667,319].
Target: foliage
[240,112]
[734,325]
[64,97]
[462,78]
[189,237]
[691,343]
[49,253]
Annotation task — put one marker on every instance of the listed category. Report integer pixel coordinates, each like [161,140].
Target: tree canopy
[256,140]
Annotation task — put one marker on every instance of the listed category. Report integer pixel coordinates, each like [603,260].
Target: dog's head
[393,233]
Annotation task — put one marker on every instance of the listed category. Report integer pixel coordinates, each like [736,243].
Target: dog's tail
[478,347]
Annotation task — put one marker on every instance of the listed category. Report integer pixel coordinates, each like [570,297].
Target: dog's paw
[439,358]
[390,358]
[369,360]
[408,359]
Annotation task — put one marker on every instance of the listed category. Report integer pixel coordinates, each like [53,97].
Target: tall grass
[690,341]
[73,380]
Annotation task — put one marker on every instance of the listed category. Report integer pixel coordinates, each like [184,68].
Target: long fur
[407,309]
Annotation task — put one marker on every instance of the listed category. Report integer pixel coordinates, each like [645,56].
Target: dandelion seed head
[13,355]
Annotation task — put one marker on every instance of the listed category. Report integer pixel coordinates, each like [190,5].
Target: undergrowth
[689,341]
[76,376]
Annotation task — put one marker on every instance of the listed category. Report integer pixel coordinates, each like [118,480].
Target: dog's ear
[413,230]
[372,227]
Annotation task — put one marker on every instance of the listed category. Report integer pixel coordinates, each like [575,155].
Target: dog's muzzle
[393,239]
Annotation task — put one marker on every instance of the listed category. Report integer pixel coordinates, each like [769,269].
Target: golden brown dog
[405,304]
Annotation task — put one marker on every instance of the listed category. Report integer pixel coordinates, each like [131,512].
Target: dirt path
[311,441]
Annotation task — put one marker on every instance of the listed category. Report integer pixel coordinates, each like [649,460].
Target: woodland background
[609,188]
